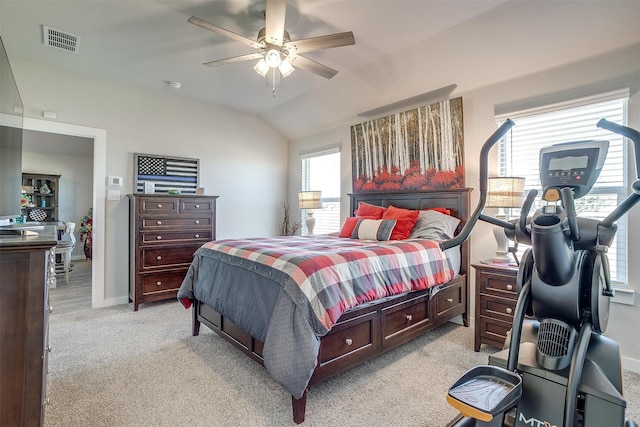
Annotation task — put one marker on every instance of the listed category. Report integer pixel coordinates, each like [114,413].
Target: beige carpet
[115,367]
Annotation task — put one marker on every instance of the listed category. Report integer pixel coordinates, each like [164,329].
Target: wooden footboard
[360,334]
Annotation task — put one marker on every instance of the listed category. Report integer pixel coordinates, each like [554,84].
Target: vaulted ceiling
[403,48]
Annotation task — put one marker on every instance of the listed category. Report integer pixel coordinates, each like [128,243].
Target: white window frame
[618,250]
[327,218]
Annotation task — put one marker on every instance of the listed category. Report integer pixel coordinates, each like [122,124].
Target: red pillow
[405,220]
[369,211]
[348,226]
[441,210]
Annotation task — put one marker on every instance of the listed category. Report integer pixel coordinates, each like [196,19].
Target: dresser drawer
[162,282]
[498,284]
[164,237]
[348,340]
[499,308]
[165,257]
[408,314]
[194,206]
[158,205]
[175,222]
[494,332]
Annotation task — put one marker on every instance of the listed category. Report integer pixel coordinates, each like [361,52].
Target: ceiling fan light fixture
[261,67]
[273,58]
[286,68]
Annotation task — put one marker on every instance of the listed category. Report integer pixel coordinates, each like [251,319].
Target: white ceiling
[403,48]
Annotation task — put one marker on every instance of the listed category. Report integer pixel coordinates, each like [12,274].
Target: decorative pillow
[365,210]
[406,219]
[373,229]
[434,225]
[348,226]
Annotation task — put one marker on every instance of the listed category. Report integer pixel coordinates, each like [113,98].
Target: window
[574,121]
[321,172]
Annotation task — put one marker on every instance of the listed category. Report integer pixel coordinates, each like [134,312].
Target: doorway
[99,137]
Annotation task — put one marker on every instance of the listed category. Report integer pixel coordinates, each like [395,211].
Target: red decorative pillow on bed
[348,226]
[405,220]
[365,210]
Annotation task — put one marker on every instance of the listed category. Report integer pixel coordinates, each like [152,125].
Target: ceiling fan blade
[275,13]
[322,42]
[240,58]
[230,34]
[313,66]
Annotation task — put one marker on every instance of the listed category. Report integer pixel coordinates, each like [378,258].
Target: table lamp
[310,200]
[504,192]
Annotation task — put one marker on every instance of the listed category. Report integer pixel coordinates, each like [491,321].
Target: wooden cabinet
[164,232]
[26,267]
[43,192]
[496,298]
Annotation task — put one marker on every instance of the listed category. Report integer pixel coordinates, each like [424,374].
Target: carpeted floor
[115,367]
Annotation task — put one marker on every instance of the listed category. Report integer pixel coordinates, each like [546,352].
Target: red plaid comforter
[336,274]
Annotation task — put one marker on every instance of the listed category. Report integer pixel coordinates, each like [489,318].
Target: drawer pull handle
[348,341]
[197,206]
[158,222]
[158,257]
[158,237]
[509,287]
[197,221]
[449,299]
[159,205]
[158,283]
[197,236]
[509,310]
[409,317]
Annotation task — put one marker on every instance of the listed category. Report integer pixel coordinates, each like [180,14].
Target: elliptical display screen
[573,164]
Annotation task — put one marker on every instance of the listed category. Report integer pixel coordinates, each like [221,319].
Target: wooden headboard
[457,200]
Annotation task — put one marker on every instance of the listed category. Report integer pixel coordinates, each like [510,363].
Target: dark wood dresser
[496,298]
[164,232]
[27,265]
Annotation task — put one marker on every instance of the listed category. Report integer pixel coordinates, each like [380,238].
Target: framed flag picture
[163,174]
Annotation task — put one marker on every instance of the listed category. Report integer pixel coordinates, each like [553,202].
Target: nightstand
[495,297]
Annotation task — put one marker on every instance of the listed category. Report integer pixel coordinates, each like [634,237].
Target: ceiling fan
[276,49]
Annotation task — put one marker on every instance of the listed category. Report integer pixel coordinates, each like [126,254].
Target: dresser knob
[509,287]
[47,401]
[449,299]
[158,283]
[348,341]
[197,221]
[409,317]
[48,348]
[158,257]
[158,222]
[197,236]
[509,310]
[158,237]
[50,309]
[159,205]
[197,206]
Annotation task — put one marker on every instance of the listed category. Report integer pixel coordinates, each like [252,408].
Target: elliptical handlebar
[484,176]
[628,132]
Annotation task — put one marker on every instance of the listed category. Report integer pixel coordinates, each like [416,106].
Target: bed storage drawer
[451,301]
[347,340]
[404,316]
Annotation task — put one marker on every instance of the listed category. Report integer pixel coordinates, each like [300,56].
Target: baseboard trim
[112,301]
[632,365]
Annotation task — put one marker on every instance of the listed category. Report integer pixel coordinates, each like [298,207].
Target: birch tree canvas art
[419,149]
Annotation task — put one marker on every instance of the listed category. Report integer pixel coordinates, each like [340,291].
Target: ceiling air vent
[61,40]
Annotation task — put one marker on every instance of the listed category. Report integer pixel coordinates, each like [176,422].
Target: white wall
[599,74]
[243,160]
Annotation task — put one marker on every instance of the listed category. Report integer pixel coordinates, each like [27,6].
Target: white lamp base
[311,222]
[502,251]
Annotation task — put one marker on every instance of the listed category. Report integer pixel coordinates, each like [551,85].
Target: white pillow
[434,225]
[373,229]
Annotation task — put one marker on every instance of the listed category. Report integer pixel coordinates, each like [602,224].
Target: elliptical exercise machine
[556,368]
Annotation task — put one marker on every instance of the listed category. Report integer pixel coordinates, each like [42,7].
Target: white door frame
[99,137]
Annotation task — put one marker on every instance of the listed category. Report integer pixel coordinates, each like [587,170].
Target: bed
[260,309]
